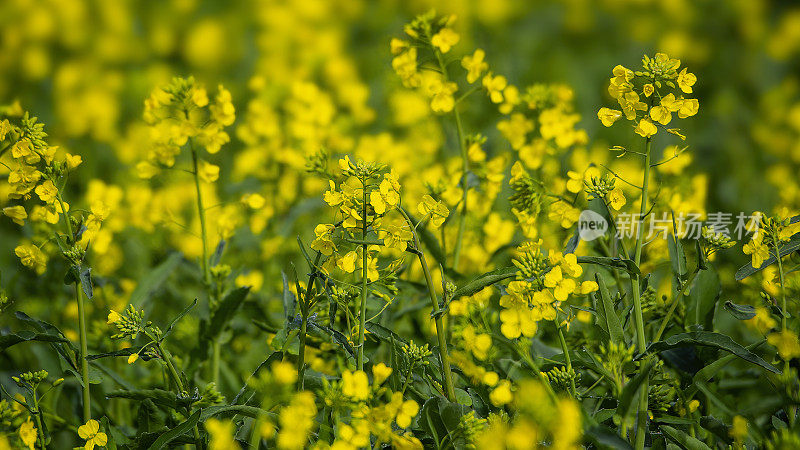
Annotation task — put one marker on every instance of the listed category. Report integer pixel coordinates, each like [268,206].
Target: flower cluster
[648,96]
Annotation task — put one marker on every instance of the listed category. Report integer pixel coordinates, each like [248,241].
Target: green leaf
[161,397]
[482,281]
[225,312]
[606,314]
[242,410]
[717,427]
[741,312]
[179,430]
[630,390]
[9,340]
[612,263]
[178,318]
[684,440]
[702,299]
[789,247]
[152,282]
[709,339]
[65,349]
[605,438]
[337,336]
[275,356]
[289,299]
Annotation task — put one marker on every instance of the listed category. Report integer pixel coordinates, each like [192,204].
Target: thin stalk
[641,342]
[362,320]
[177,379]
[202,212]
[535,367]
[674,305]
[301,354]
[440,331]
[568,360]
[87,408]
[783,287]
[87,398]
[462,145]
[38,419]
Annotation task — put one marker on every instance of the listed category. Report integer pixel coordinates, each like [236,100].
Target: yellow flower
[284,372]
[445,39]
[73,161]
[397,46]
[608,116]
[475,65]
[254,201]
[517,321]
[645,128]
[113,317]
[689,107]
[208,172]
[28,433]
[146,169]
[408,410]
[686,80]
[757,250]
[16,213]
[32,257]
[222,110]
[478,343]
[47,191]
[441,93]
[92,434]
[648,89]
[380,372]
[616,198]
[564,213]
[587,287]
[221,434]
[437,211]
[501,395]
[739,428]
[762,321]
[787,344]
[133,358]
[494,86]
[323,242]
[388,194]
[355,385]
[333,197]
[348,262]
[562,287]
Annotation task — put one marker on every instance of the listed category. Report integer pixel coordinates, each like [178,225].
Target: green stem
[37,418]
[301,355]
[783,287]
[87,399]
[202,213]
[440,331]
[462,145]
[363,317]
[674,305]
[568,360]
[535,367]
[641,343]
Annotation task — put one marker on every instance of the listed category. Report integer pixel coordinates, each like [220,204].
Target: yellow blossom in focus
[445,39]
[92,434]
[475,65]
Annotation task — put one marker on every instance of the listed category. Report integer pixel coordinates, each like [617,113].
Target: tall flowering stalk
[180,114]
[648,98]
[36,171]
